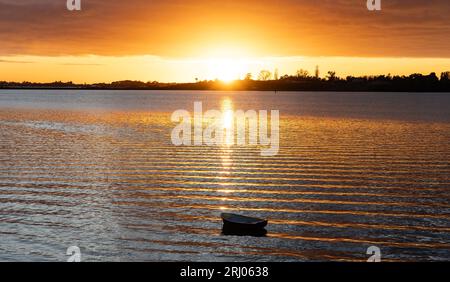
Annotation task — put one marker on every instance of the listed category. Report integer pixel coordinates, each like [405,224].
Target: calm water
[97,169]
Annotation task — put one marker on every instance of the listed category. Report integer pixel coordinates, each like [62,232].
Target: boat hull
[242,225]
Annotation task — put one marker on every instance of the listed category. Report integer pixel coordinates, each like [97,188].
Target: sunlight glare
[227,63]
[226,69]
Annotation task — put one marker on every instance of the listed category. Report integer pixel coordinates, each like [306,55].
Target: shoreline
[228,90]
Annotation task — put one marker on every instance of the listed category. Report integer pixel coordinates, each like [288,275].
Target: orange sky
[178,40]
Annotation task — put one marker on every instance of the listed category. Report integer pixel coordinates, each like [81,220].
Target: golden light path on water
[103,174]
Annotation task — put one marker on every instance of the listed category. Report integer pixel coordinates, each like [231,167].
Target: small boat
[242,223]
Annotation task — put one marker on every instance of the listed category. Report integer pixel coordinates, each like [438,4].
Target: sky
[179,40]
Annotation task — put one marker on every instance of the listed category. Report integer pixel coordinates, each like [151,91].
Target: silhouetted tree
[301,73]
[264,75]
[331,75]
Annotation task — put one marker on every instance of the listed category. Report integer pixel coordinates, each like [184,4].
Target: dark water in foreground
[97,169]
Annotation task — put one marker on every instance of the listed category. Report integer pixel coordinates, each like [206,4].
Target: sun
[227,64]
[226,69]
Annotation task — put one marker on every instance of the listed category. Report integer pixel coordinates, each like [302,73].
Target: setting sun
[225,69]
[226,63]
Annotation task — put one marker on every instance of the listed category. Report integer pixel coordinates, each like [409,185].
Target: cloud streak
[15,62]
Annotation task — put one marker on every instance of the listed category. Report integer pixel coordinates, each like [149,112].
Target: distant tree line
[266,81]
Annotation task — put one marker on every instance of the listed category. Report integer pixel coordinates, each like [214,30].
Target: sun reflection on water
[226,150]
[228,121]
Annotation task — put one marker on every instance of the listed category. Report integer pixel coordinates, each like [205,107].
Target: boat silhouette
[235,224]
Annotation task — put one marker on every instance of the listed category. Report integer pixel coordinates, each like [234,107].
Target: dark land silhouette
[302,81]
